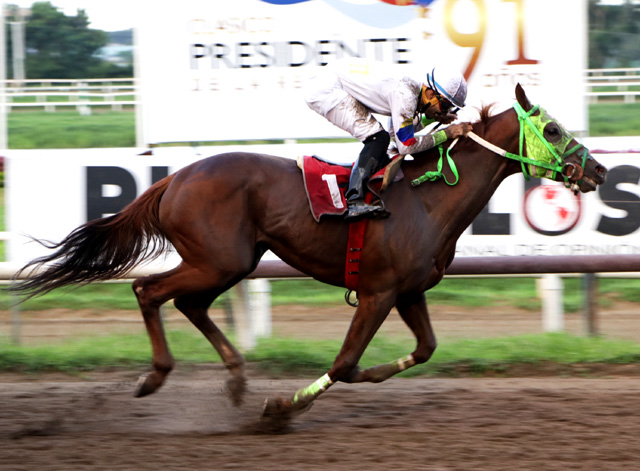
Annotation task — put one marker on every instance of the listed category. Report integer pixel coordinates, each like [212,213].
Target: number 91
[475,39]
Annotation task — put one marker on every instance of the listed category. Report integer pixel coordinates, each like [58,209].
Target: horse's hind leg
[413,310]
[152,292]
[163,361]
[194,307]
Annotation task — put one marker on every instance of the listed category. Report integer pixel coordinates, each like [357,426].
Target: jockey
[347,92]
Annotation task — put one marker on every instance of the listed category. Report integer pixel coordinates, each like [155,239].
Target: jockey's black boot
[371,159]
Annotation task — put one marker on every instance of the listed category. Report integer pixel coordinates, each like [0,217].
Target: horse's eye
[552,132]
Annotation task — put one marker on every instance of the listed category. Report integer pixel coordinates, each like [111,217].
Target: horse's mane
[486,112]
[479,127]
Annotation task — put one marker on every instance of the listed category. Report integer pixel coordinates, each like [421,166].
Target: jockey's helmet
[448,83]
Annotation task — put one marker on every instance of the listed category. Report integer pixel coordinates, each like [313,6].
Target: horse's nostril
[600,170]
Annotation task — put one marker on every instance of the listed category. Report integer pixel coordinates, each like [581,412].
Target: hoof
[283,409]
[276,415]
[275,407]
[235,389]
[147,384]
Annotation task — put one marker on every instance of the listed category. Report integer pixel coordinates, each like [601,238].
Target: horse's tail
[101,249]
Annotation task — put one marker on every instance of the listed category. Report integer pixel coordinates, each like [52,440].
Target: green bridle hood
[545,160]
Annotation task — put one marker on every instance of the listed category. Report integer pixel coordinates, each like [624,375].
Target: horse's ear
[521,96]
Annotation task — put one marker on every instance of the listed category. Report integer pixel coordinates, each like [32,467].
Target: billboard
[73,186]
[235,70]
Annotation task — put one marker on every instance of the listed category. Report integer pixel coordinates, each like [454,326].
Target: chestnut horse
[224,212]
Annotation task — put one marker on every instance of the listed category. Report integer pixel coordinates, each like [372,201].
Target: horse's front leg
[371,312]
[413,310]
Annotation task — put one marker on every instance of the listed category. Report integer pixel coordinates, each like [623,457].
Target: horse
[222,213]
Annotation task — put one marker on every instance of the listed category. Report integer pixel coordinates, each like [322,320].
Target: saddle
[326,182]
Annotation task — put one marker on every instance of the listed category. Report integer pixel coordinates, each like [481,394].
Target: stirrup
[360,210]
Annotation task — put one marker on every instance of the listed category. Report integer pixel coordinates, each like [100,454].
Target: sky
[112,15]
[107,15]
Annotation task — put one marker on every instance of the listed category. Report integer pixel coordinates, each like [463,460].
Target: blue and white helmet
[448,83]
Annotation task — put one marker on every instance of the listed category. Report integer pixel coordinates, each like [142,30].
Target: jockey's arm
[427,141]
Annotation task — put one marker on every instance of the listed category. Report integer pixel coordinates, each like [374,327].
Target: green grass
[285,356]
[119,296]
[614,119]
[467,292]
[70,130]
[615,88]
[95,296]
[308,292]
[2,226]
[37,129]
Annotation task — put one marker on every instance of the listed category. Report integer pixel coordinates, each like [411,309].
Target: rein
[437,175]
[550,169]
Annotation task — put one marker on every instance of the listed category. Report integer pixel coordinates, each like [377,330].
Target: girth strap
[355,244]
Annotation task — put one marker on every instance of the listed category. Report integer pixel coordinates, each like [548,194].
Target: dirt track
[405,424]
[56,422]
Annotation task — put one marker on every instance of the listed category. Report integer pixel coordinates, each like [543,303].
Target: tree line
[58,46]
[613,35]
[65,47]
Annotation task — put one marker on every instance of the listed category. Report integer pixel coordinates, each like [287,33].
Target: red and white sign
[551,209]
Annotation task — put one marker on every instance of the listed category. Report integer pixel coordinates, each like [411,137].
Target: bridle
[544,158]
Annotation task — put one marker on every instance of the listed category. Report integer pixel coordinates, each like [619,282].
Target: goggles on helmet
[437,99]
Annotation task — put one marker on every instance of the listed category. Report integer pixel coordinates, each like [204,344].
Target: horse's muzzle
[587,178]
[593,175]
[573,172]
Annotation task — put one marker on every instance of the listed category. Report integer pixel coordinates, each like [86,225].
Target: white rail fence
[613,85]
[80,94]
[250,304]
[602,85]
[251,301]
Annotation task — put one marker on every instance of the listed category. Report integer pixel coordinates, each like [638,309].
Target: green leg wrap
[406,362]
[379,373]
[312,391]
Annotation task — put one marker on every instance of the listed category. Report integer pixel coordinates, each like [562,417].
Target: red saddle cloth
[326,183]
